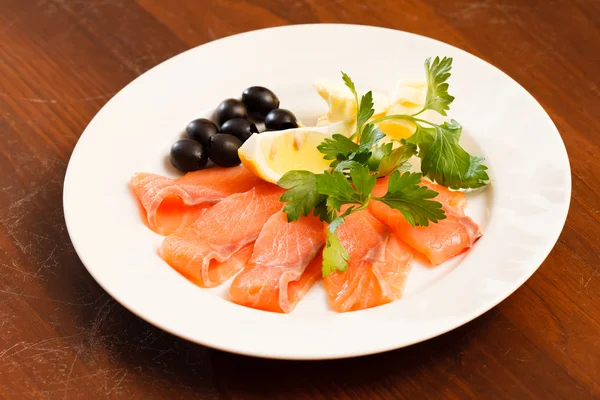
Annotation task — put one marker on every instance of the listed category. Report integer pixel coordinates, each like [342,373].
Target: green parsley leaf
[423,137]
[335,256]
[346,165]
[302,195]
[365,110]
[363,180]
[335,185]
[337,148]
[345,152]
[370,135]
[385,159]
[334,205]
[324,213]
[378,153]
[350,85]
[448,164]
[360,157]
[437,73]
[404,167]
[335,224]
[412,200]
[339,190]
[364,107]
[396,159]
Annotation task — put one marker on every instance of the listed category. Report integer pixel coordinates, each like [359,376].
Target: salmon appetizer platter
[329,207]
[285,208]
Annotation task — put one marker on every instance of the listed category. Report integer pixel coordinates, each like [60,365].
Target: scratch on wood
[67,381]
[98,97]
[523,359]
[117,384]
[33,100]
[11,291]
[66,99]
[162,353]
[133,67]
[9,25]
[4,352]
[595,273]
[15,267]
[470,9]
[46,262]
[103,311]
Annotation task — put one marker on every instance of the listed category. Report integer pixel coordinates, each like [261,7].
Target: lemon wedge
[342,105]
[269,155]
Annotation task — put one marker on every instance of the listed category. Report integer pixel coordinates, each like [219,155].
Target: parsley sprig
[443,159]
[358,161]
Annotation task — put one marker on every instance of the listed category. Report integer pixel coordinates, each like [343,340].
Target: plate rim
[540,255]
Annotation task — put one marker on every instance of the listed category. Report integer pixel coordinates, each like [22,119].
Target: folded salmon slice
[173,204]
[438,241]
[377,267]
[219,243]
[286,262]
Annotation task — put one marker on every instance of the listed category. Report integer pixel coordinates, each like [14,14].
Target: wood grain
[63,337]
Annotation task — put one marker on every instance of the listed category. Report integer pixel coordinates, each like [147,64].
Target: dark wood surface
[63,337]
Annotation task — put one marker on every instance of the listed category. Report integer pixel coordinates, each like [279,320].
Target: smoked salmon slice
[284,265]
[377,268]
[173,204]
[438,241]
[219,243]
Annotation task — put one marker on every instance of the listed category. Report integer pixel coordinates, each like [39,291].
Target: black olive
[259,101]
[240,128]
[223,150]
[280,119]
[188,155]
[201,130]
[230,108]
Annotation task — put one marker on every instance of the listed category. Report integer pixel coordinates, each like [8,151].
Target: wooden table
[63,337]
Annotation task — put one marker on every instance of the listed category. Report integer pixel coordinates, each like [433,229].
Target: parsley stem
[417,113]
[425,122]
[403,116]
[395,116]
[358,127]
[364,205]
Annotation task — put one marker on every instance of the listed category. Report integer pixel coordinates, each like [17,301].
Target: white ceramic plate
[521,213]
